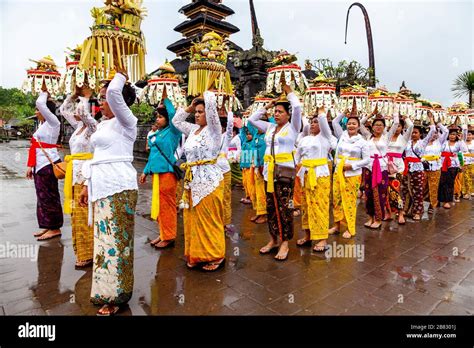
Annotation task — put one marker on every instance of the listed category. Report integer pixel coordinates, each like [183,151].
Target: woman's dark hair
[453,130]
[421,129]
[354,118]
[377,120]
[161,110]
[471,131]
[51,106]
[200,101]
[402,123]
[235,130]
[285,105]
[128,93]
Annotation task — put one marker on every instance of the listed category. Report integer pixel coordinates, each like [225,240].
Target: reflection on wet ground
[419,268]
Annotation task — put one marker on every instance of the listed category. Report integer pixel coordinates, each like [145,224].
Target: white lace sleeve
[67,110]
[444,134]
[117,104]
[255,120]
[364,131]
[409,130]
[296,111]
[49,117]
[212,116]
[179,121]
[393,128]
[83,111]
[336,126]
[324,127]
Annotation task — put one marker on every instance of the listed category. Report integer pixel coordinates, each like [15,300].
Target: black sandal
[213,263]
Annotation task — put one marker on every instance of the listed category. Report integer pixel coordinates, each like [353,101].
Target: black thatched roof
[210,4]
[201,19]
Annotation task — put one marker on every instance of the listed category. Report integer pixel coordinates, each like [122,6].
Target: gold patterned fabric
[467,187]
[431,187]
[114,223]
[458,183]
[345,201]
[259,194]
[316,207]
[82,233]
[204,239]
[227,198]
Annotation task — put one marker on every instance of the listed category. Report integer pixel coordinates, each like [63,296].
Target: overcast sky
[425,43]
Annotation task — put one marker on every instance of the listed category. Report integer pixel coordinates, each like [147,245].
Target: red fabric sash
[32,152]
[410,160]
[447,160]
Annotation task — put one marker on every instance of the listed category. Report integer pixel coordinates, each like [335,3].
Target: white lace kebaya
[80,140]
[203,146]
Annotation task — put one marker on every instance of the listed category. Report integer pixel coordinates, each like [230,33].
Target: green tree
[464,85]
[144,112]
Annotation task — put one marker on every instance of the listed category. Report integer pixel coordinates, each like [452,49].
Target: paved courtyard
[419,268]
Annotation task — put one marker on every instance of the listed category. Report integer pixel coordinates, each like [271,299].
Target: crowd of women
[284,165]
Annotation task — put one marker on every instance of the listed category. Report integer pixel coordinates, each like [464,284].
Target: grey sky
[425,43]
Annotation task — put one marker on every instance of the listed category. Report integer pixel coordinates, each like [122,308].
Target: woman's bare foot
[320,246]
[50,234]
[447,206]
[261,219]
[283,252]
[213,266]
[164,244]
[369,223]
[333,230]
[155,241]
[253,218]
[376,225]
[40,233]
[269,247]
[347,235]
[401,219]
[108,310]
[416,217]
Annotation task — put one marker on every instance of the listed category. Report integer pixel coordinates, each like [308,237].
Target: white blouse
[203,146]
[313,147]
[456,148]
[399,146]
[222,161]
[235,149]
[347,146]
[285,139]
[80,141]
[111,170]
[47,132]
[412,150]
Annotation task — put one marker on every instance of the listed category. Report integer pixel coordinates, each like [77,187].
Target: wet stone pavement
[419,268]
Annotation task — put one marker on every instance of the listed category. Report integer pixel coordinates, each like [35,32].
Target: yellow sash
[469,155]
[340,169]
[431,157]
[155,197]
[280,158]
[311,164]
[68,178]
[188,176]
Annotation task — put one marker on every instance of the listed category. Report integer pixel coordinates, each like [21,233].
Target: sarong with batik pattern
[412,192]
[345,201]
[431,187]
[446,185]
[204,240]
[376,197]
[112,272]
[467,187]
[236,174]
[227,198]
[458,183]
[280,214]
[82,233]
[297,191]
[49,211]
[315,205]
[395,202]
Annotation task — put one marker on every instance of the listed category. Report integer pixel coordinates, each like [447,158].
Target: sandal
[377,227]
[213,266]
[155,241]
[109,313]
[254,218]
[303,242]
[267,250]
[39,234]
[317,248]
[169,244]
[191,265]
[262,219]
[368,224]
[285,257]
[416,218]
[83,264]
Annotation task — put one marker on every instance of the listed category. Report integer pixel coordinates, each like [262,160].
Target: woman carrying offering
[163,144]
[80,118]
[203,185]
[280,140]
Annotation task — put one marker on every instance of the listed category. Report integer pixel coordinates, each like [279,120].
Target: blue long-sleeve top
[167,139]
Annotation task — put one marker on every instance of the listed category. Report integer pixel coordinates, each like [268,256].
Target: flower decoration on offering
[422,106]
[227,101]
[74,76]
[458,109]
[383,99]
[116,39]
[45,73]
[321,92]
[351,93]
[207,69]
[260,100]
[283,69]
[166,80]
[438,112]
[404,103]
